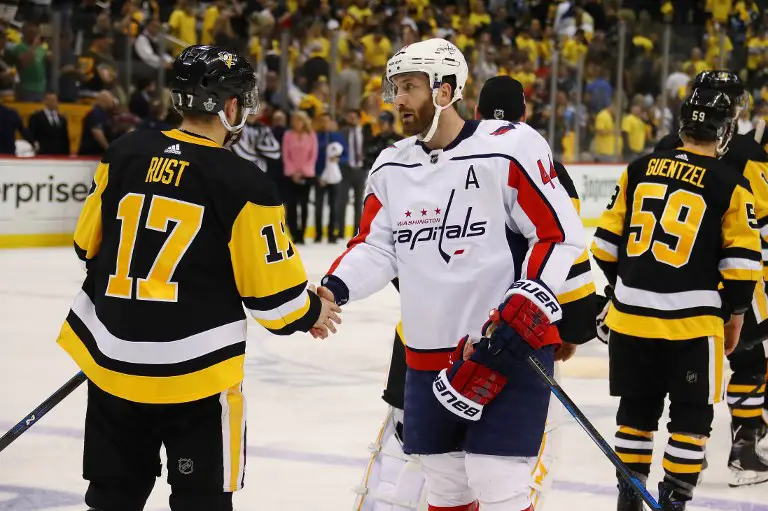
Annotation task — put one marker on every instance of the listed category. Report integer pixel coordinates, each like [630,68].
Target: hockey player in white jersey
[441,209]
[393,480]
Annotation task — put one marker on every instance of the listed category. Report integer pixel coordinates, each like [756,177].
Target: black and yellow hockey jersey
[678,225]
[747,157]
[577,296]
[177,235]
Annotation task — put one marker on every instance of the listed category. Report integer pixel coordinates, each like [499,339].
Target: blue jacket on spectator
[10,123]
[323,139]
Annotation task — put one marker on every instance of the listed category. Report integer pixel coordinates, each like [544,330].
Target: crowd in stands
[113,56]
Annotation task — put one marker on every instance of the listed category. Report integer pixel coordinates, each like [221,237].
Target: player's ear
[444,94]
[477,113]
[230,110]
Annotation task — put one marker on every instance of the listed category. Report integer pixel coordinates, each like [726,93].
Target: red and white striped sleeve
[369,263]
[543,212]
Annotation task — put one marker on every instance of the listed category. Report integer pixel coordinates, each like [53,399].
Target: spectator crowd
[320,63]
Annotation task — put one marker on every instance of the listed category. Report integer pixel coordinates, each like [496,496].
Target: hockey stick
[604,446]
[45,407]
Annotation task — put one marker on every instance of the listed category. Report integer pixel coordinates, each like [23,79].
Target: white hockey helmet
[436,58]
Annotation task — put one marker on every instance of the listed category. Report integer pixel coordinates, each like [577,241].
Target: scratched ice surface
[312,406]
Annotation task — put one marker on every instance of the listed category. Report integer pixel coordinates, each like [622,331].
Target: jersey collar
[467,131]
[192,138]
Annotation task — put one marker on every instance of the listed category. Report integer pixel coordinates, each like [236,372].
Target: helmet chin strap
[426,137]
[233,132]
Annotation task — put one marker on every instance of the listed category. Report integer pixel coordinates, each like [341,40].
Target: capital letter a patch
[471,178]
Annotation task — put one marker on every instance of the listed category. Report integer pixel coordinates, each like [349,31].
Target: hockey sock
[746,404]
[635,449]
[683,461]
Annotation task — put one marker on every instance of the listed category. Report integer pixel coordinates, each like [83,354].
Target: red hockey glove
[467,385]
[522,323]
[531,310]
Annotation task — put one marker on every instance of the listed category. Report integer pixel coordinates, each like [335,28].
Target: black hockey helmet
[729,83]
[706,115]
[721,80]
[204,77]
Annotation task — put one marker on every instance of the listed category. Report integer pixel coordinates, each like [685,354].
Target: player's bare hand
[329,318]
[324,292]
[565,351]
[733,332]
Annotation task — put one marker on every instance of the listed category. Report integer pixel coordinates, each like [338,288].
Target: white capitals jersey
[459,226]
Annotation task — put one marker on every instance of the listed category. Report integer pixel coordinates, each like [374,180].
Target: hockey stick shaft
[595,435]
[45,407]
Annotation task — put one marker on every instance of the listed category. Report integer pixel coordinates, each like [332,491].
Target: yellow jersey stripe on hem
[153,389]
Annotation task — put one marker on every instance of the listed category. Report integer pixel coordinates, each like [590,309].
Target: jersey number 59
[681,219]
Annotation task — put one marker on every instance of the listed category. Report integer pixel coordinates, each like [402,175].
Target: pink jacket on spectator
[299,153]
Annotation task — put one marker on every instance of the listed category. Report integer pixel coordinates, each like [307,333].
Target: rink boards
[41,198]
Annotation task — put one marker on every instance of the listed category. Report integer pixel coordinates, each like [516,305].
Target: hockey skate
[748,462]
[668,499]
[628,499]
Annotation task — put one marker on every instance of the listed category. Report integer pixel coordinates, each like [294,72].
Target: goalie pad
[393,480]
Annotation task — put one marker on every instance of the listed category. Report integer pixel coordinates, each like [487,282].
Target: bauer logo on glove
[523,323]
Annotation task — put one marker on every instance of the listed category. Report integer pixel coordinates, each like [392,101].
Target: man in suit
[49,127]
[354,173]
[10,123]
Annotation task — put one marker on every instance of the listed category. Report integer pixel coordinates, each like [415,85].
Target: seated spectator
[123,121]
[11,123]
[182,24]
[49,128]
[31,57]
[224,34]
[315,104]
[98,68]
[69,75]
[139,102]
[156,120]
[212,13]
[97,126]
[7,71]
[147,47]
[376,49]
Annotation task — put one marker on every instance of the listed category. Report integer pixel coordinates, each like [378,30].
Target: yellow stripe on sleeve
[612,218]
[739,224]
[87,236]
[264,259]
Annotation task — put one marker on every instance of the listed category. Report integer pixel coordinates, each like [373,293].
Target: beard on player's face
[417,120]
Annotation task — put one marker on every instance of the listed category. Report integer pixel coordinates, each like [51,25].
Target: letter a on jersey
[471,178]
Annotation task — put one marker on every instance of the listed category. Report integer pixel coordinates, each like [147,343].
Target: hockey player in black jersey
[680,225]
[177,235]
[746,389]
[391,476]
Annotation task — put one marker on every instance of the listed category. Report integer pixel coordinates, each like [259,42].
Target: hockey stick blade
[593,433]
[45,407]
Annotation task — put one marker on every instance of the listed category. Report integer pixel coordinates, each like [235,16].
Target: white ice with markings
[313,406]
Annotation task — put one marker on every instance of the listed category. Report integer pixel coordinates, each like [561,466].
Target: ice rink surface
[313,406]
